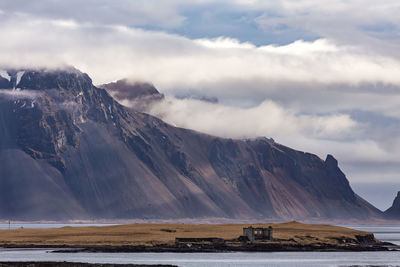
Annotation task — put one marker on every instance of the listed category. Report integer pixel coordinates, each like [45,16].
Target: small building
[258,233]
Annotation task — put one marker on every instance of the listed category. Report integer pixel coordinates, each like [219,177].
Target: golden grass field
[155,234]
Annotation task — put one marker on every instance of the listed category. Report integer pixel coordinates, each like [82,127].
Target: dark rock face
[69,150]
[125,90]
[394,211]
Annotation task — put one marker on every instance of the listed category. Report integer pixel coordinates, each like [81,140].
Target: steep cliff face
[394,211]
[69,150]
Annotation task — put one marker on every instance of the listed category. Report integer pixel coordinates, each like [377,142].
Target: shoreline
[211,221]
[206,248]
[222,249]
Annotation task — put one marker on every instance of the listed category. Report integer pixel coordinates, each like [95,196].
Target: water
[12,225]
[384,233]
[285,259]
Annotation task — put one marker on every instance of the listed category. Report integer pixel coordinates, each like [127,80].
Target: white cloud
[266,119]
[224,42]
[18,94]
[172,61]
[139,12]
[343,21]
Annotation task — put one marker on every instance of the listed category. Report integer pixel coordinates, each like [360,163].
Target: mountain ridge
[87,156]
[139,95]
[394,211]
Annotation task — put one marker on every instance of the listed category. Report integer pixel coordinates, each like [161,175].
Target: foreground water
[384,233]
[288,259]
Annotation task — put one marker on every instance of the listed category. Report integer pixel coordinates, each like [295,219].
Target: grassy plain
[157,234]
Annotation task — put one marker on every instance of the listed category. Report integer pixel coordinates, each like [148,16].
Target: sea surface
[285,259]
[387,233]
[13,225]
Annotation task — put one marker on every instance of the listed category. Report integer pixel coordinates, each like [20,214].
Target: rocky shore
[361,243]
[207,248]
[217,248]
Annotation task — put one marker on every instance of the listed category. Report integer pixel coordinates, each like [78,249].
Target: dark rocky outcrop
[394,211]
[69,150]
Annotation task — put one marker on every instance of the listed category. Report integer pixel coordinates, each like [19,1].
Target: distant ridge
[394,211]
[139,94]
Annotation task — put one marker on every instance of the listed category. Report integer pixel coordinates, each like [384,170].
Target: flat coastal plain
[150,235]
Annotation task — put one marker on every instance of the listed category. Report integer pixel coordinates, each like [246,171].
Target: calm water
[289,259]
[215,259]
[384,233]
[45,225]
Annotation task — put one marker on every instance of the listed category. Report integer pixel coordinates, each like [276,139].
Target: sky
[317,76]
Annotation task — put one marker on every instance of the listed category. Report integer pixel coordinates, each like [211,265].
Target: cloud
[368,23]
[171,61]
[373,25]
[18,94]
[123,12]
[266,119]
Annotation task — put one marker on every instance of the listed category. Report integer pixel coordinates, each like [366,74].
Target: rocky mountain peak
[44,109]
[331,161]
[44,79]
[124,89]
[396,202]
[139,95]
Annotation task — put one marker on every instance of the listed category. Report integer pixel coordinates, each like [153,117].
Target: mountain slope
[394,211]
[70,150]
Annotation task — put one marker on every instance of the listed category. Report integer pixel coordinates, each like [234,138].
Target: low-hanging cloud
[11,94]
[266,119]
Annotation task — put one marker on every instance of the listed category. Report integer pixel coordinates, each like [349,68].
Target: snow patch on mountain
[5,75]
[19,77]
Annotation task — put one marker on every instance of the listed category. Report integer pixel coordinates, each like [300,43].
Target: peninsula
[291,236]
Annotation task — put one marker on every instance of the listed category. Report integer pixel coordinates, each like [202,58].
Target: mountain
[394,211]
[68,150]
[139,95]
